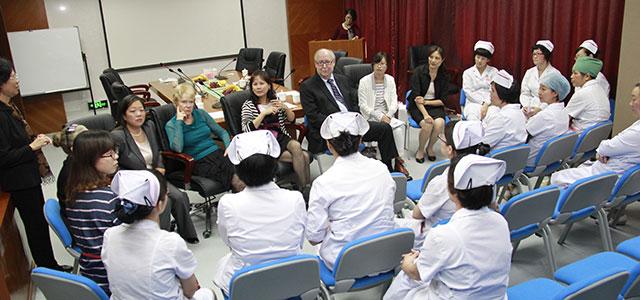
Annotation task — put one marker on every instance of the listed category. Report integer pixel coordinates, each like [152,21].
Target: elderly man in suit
[325,93]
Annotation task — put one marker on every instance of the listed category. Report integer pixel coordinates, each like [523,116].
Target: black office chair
[109,77]
[120,91]
[418,55]
[232,109]
[97,122]
[179,167]
[356,72]
[250,59]
[345,61]
[275,66]
[339,54]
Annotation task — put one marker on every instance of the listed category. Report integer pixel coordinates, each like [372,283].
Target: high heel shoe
[430,157]
[419,160]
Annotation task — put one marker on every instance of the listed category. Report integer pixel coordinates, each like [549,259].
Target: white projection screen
[143,33]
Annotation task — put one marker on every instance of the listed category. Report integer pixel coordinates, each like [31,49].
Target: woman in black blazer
[429,89]
[138,149]
[22,168]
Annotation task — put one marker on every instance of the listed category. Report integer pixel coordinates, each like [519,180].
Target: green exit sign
[99,104]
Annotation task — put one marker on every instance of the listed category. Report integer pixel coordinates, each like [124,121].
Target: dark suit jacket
[318,102]
[420,81]
[130,157]
[18,163]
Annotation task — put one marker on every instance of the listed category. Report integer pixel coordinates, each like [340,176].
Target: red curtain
[512,26]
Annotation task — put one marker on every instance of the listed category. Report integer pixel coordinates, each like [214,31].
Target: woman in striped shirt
[263,111]
[90,202]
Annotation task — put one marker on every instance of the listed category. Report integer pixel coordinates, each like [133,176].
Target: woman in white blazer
[378,99]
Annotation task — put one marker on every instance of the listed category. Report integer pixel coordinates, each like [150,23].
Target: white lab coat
[531,84]
[505,128]
[435,204]
[145,262]
[259,224]
[623,151]
[602,82]
[351,200]
[588,106]
[546,124]
[467,258]
[477,89]
[367,103]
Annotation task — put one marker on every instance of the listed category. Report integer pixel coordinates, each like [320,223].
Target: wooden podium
[354,48]
[14,267]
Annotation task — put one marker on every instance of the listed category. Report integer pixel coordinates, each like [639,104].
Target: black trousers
[29,203]
[178,208]
[383,134]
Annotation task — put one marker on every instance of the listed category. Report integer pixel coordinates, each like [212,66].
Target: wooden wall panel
[309,20]
[45,113]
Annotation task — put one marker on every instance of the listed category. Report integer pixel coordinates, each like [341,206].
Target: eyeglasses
[112,153]
[324,62]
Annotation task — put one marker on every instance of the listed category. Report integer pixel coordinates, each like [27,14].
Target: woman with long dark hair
[23,167]
[90,201]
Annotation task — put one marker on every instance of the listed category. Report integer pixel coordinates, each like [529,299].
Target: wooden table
[165,91]
[14,266]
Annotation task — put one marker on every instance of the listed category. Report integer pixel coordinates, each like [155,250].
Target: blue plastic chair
[463,101]
[529,213]
[516,159]
[588,141]
[612,109]
[411,122]
[630,247]
[296,276]
[550,158]
[416,187]
[582,199]
[625,192]
[367,262]
[603,285]
[54,218]
[57,285]
[583,268]
[400,200]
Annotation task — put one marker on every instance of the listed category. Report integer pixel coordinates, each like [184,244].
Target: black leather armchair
[356,72]
[275,66]
[418,55]
[250,59]
[345,61]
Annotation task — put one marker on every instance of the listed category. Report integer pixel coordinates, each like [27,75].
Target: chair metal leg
[565,233]
[605,233]
[546,237]
[76,266]
[539,181]
[207,218]
[503,191]
[515,247]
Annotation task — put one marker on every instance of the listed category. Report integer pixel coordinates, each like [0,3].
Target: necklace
[136,134]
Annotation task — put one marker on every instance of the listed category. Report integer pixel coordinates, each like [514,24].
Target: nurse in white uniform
[470,256]
[476,82]
[263,222]
[553,120]
[589,104]
[617,154]
[143,261]
[460,138]
[506,127]
[541,56]
[354,198]
[590,48]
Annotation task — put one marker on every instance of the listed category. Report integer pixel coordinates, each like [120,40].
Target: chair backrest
[100,121]
[345,61]
[339,54]
[275,64]
[160,115]
[120,91]
[433,171]
[113,74]
[516,159]
[107,79]
[418,55]
[631,290]
[250,59]
[591,137]
[279,279]
[57,285]
[401,191]
[556,150]
[373,255]
[604,285]
[592,191]
[232,109]
[627,187]
[356,72]
[54,217]
[530,209]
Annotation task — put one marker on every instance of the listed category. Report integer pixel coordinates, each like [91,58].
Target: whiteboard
[147,32]
[48,60]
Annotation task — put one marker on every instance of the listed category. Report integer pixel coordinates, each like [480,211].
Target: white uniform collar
[589,83]
[511,106]
[556,106]
[267,186]
[350,157]
[464,212]
[144,224]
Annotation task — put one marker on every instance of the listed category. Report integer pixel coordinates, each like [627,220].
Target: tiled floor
[529,261]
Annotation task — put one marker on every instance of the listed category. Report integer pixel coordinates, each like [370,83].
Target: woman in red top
[347,30]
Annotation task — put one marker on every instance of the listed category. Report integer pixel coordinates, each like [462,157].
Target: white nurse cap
[467,134]
[486,45]
[474,171]
[503,78]
[590,45]
[255,142]
[546,43]
[351,122]
[137,186]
